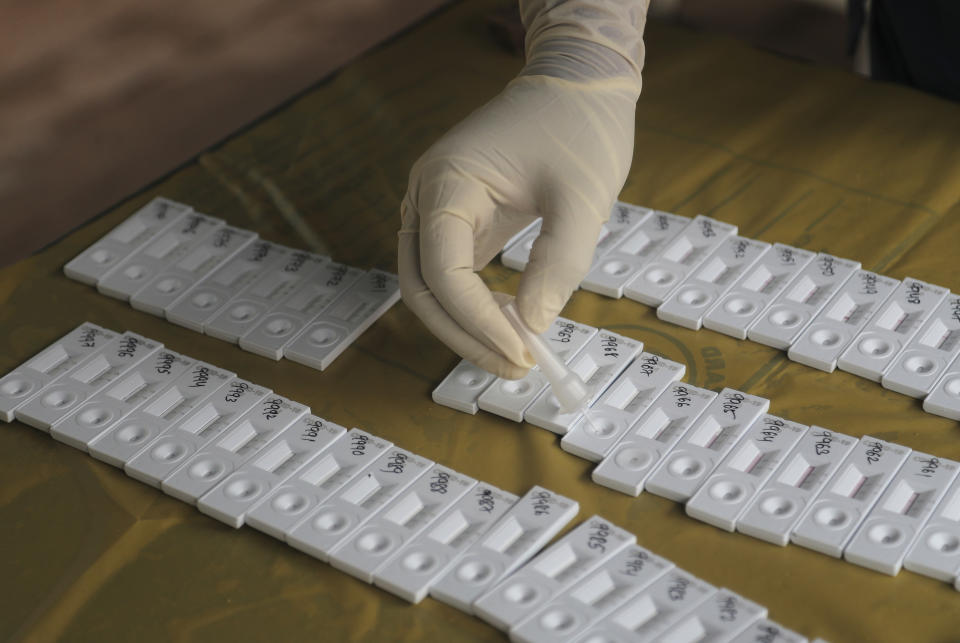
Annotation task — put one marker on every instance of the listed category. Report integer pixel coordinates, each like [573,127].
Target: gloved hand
[556,143]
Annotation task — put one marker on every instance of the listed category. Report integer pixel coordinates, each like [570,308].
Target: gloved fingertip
[537,315]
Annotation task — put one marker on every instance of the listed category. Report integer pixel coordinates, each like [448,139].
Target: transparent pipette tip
[566,386]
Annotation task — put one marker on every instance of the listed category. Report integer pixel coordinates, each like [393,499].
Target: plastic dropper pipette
[567,387]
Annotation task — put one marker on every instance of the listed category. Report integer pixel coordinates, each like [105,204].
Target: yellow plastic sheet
[788,151]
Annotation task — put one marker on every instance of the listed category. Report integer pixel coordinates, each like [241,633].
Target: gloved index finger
[446,264]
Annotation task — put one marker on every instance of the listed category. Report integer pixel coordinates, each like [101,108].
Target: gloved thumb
[559,260]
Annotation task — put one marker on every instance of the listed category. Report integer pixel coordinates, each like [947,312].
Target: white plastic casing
[630,395]
[915,371]
[517,255]
[783,321]
[616,268]
[168,407]
[114,403]
[936,552]
[944,398]
[687,305]
[166,287]
[891,528]
[744,471]
[833,517]
[510,398]
[315,481]
[772,514]
[661,275]
[720,618]
[84,381]
[591,599]
[551,571]
[523,231]
[604,357]
[283,323]
[631,461]
[301,442]
[269,289]
[832,330]
[462,387]
[206,298]
[20,385]
[256,430]
[346,319]
[705,444]
[891,329]
[767,631]
[756,288]
[206,423]
[337,519]
[124,240]
[400,521]
[519,534]
[624,221]
[168,247]
[413,570]
[649,614]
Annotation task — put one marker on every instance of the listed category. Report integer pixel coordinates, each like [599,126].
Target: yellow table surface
[788,151]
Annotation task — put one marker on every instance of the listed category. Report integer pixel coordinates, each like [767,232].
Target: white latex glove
[556,143]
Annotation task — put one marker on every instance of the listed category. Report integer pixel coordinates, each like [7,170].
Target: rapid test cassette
[778,507]
[832,330]
[269,289]
[624,220]
[121,398]
[462,387]
[936,550]
[511,398]
[127,238]
[520,533]
[401,521]
[617,267]
[767,631]
[279,326]
[742,473]
[688,304]
[204,258]
[653,284]
[631,461]
[604,357]
[783,321]
[603,424]
[203,300]
[756,288]
[84,381]
[552,571]
[247,437]
[535,223]
[649,614]
[915,371]
[20,385]
[590,600]
[171,245]
[705,444]
[337,519]
[315,481]
[209,421]
[719,618]
[301,442]
[415,567]
[833,517]
[517,254]
[891,528]
[346,319]
[186,393]
[944,399]
[891,328]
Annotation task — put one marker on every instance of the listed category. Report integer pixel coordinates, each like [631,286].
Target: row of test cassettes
[199,272]
[876,503]
[245,455]
[824,310]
